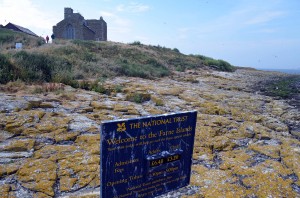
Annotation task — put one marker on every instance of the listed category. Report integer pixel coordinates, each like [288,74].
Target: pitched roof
[22,29]
[88,28]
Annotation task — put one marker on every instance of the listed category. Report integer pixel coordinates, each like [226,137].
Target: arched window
[70,32]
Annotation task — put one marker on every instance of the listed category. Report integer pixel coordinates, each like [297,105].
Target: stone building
[18,28]
[74,26]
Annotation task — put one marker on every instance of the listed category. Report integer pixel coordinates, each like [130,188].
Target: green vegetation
[34,67]
[6,70]
[284,87]
[72,62]
[148,70]
[218,64]
[7,36]
[135,43]
[118,88]
[138,97]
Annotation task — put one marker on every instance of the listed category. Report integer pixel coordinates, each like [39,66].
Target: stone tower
[68,12]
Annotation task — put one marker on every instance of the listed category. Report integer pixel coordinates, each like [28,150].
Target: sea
[287,71]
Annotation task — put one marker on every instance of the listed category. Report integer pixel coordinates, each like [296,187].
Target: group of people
[47,38]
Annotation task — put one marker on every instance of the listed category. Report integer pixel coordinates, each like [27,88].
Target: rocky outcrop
[246,144]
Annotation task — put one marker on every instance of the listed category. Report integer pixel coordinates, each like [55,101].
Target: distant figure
[47,39]
[52,36]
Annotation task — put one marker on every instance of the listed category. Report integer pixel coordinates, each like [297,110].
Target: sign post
[147,156]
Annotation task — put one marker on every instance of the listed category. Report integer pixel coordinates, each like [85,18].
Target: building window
[70,32]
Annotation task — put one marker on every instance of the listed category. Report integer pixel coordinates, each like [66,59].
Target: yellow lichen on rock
[272,151]
[55,152]
[212,108]
[290,154]
[38,175]
[101,105]
[19,145]
[225,189]
[174,91]
[222,143]
[126,109]
[89,143]
[66,183]
[268,184]
[157,100]
[4,190]
[82,167]
[246,144]
[216,183]
[236,161]
[12,168]
[51,124]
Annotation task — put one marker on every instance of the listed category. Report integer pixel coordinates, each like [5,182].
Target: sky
[249,33]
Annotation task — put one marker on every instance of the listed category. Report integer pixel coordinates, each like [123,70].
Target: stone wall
[100,27]
[88,34]
[74,26]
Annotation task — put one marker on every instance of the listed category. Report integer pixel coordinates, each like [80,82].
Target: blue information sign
[148,156]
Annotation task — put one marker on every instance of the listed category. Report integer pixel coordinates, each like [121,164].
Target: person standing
[47,39]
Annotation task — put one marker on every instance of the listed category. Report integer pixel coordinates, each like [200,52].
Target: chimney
[68,12]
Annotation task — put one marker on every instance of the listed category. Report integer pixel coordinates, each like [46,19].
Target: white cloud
[26,14]
[133,7]
[246,17]
[107,14]
[264,17]
[115,19]
[117,25]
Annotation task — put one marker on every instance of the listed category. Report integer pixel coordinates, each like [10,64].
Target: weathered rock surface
[246,144]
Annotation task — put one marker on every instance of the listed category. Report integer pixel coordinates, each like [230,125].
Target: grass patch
[138,97]
[118,88]
[13,86]
[149,70]
[96,85]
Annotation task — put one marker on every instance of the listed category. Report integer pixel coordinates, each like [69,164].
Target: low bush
[219,64]
[135,43]
[33,67]
[97,86]
[40,67]
[176,50]
[7,71]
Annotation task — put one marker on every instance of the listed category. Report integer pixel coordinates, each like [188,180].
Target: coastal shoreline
[245,141]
